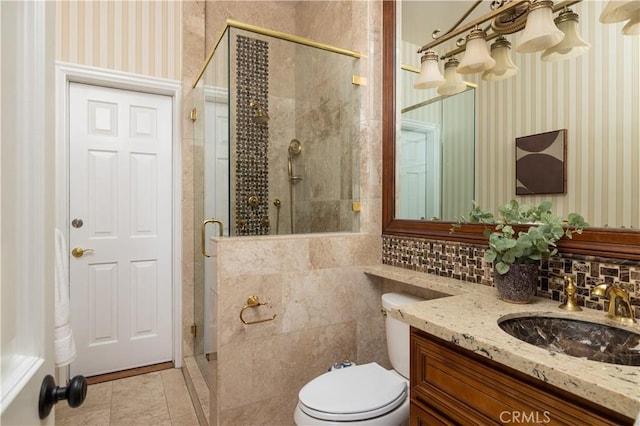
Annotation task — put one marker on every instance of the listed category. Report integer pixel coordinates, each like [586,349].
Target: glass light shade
[454,83]
[633,26]
[571,45]
[618,11]
[430,75]
[476,55]
[504,68]
[540,31]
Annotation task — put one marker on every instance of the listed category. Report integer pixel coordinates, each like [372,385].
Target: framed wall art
[541,166]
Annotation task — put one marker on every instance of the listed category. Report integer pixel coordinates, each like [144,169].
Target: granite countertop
[469,318]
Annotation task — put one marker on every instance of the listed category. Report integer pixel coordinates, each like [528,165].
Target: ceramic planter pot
[519,285]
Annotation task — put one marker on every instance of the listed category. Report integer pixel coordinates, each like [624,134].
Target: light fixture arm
[434,34]
[455,31]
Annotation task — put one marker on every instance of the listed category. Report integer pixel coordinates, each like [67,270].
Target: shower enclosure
[276,144]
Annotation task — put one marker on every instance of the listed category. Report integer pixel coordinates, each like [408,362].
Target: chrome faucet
[619,304]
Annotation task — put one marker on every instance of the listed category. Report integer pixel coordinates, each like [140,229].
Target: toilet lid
[353,393]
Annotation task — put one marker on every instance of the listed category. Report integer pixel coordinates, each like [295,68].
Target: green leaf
[502,268]
[508,257]
[489,256]
[546,206]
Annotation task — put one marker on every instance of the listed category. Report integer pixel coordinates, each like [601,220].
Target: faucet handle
[570,303]
[620,308]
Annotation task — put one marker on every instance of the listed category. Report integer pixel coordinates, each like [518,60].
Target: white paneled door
[120,206]
[26,221]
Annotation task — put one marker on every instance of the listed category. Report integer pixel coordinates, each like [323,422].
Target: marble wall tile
[336,16]
[233,295]
[327,310]
[193,48]
[319,312]
[319,297]
[371,346]
[344,250]
[250,371]
[264,255]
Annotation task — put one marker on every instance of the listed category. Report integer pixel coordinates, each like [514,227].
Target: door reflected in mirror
[434,154]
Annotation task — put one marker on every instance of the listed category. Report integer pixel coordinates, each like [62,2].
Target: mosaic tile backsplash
[252,161]
[466,262]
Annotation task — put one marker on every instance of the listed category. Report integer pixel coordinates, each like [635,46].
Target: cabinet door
[424,416]
[473,390]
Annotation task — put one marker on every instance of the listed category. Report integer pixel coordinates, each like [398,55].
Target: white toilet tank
[398,332]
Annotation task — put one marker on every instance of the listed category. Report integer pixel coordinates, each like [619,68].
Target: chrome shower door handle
[203,237]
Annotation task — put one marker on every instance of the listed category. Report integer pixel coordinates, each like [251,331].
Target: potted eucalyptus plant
[522,236]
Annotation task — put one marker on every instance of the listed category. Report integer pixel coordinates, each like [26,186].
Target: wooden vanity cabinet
[451,385]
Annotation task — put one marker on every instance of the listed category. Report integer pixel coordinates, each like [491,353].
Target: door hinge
[194,329]
[194,114]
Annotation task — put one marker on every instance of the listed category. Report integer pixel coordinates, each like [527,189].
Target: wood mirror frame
[616,243]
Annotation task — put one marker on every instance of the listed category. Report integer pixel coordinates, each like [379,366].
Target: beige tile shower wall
[598,105]
[326,310]
[141,37]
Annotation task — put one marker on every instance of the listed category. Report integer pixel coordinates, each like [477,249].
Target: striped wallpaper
[141,37]
[595,97]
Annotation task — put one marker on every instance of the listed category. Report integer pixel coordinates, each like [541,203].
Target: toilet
[366,394]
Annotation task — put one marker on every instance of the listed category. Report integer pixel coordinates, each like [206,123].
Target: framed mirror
[615,242]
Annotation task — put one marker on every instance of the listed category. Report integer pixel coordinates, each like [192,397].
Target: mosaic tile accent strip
[252,138]
[465,262]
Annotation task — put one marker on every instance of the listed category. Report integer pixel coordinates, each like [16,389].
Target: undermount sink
[582,339]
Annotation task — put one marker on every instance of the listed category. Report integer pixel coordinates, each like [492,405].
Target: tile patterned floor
[159,398]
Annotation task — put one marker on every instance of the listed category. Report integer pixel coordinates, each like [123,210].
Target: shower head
[260,116]
[295,147]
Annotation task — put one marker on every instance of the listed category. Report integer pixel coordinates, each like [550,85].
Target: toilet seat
[353,393]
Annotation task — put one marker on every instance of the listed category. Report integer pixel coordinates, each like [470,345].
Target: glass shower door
[211,200]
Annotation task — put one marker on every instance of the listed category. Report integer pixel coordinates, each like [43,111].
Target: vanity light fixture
[454,83]
[572,44]
[476,55]
[633,26]
[541,32]
[534,18]
[430,75]
[619,11]
[504,68]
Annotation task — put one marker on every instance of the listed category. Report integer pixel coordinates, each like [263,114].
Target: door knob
[79,251]
[50,394]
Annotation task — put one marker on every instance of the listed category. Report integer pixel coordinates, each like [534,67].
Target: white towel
[65,348]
